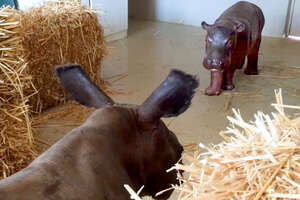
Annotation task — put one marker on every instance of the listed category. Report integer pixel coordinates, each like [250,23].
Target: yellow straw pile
[257,160]
[31,44]
[60,32]
[16,140]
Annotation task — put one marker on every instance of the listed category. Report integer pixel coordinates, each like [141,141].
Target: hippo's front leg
[228,79]
[216,82]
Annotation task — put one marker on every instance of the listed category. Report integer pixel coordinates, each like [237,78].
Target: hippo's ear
[171,98]
[81,88]
[206,26]
[240,27]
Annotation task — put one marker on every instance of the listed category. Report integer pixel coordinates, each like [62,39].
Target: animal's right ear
[171,98]
[206,26]
[81,88]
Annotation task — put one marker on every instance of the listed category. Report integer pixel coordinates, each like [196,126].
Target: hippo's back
[244,10]
[246,13]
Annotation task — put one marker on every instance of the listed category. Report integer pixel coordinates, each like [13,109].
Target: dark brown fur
[117,145]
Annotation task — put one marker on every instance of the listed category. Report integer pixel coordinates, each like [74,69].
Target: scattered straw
[132,193]
[257,160]
[70,112]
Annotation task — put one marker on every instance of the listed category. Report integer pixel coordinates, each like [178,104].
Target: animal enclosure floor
[153,48]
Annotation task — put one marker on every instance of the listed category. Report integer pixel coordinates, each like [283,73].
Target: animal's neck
[132,159]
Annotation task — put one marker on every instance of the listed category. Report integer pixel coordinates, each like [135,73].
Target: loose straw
[256,160]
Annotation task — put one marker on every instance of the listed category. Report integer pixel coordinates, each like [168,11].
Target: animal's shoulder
[113,112]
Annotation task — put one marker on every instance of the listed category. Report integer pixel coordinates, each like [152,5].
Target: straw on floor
[257,160]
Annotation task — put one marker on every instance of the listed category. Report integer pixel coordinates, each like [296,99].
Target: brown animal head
[145,146]
[220,42]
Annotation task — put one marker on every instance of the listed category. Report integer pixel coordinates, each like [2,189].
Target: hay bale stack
[257,160]
[31,44]
[16,140]
[60,32]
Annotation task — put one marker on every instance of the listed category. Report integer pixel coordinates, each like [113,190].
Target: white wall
[193,12]
[295,26]
[26,4]
[113,16]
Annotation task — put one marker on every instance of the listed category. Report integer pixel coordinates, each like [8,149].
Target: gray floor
[153,48]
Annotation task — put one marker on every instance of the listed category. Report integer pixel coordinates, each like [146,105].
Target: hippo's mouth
[220,68]
[219,65]
[216,70]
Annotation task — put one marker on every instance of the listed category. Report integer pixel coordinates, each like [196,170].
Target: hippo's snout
[215,64]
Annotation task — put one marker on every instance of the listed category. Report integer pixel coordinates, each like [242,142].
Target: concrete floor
[153,48]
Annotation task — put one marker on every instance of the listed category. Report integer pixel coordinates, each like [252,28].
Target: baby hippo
[234,35]
[118,144]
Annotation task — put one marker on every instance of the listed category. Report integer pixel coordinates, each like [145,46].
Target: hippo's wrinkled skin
[234,35]
[117,145]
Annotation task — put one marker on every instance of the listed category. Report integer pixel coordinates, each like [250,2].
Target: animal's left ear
[240,27]
[171,98]
[81,88]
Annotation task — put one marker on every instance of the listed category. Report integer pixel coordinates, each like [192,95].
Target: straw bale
[16,138]
[257,160]
[31,44]
[60,32]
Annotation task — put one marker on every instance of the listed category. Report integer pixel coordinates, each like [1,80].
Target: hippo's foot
[228,87]
[212,92]
[251,71]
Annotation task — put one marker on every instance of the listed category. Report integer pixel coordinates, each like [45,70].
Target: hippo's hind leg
[251,68]
[241,63]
